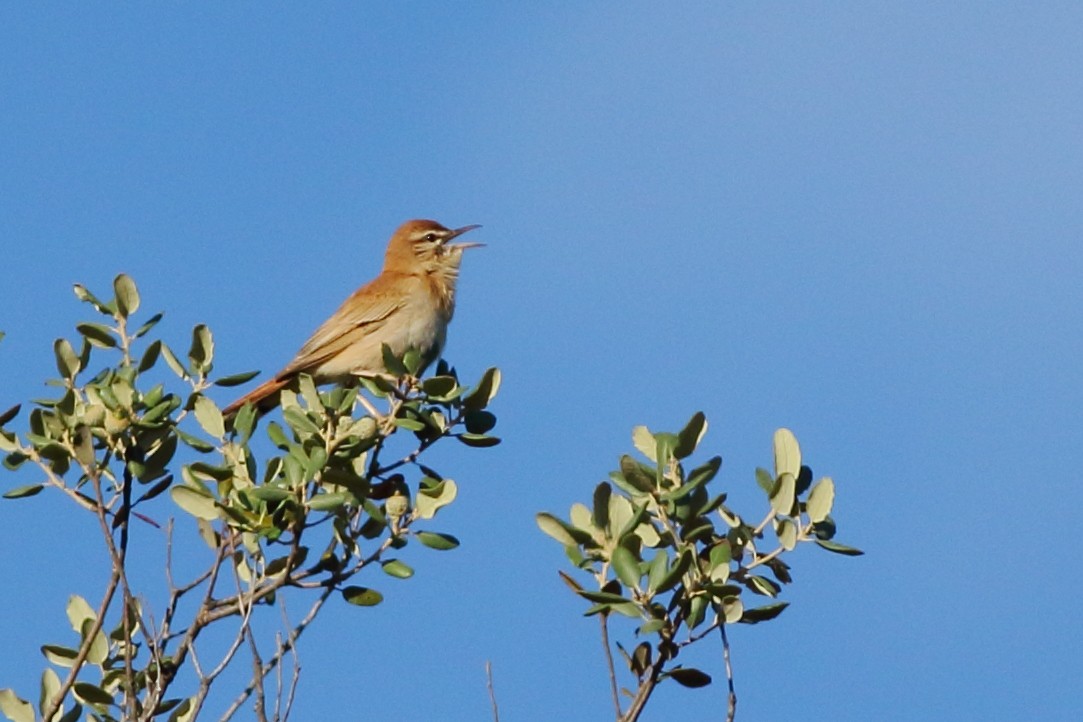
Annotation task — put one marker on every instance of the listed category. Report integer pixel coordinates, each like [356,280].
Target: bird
[409,305]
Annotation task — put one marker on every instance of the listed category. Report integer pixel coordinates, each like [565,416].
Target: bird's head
[426,245]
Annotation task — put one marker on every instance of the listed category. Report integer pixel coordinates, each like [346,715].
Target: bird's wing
[363,313]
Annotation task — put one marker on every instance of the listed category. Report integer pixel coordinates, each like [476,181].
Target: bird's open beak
[458,232]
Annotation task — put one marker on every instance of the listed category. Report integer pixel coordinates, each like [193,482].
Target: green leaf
[79,611]
[307,388]
[91,694]
[833,546]
[126,294]
[151,323]
[194,441]
[15,708]
[699,476]
[50,686]
[210,417]
[787,454]
[412,361]
[150,356]
[666,443]
[483,393]
[329,502]
[763,585]
[83,294]
[270,493]
[733,609]
[804,480]
[204,470]
[157,489]
[185,712]
[764,613]
[174,363]
[560,530]
[201,352]
[689,677]
[277,435]
[719,558]
[236,379]
[765,480]
[626,566]
[602,597]
[362,596]
[820,499]
[787,534]
[409,424]
[298,421]
[634,473]
[600,514]
[656,571]
[431,499]
[67,362]
[392,363]
[673,576]
[10,414]
[60,656]
[480,422]
[705,473]
[644,441]
[641,658]
[21,492]
[199,505]
[97,334]
[244,422]
[441,386]
[689,437]
[99,646]
[436,540]
[652,626]
[397,569]
[628,609]
[782,497]
[478,441]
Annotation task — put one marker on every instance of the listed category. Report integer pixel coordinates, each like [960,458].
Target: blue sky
[857,220]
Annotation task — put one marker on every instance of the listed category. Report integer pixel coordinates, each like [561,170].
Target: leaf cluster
[663,548]
[326,503]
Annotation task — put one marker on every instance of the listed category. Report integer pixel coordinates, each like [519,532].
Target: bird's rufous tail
[264,397]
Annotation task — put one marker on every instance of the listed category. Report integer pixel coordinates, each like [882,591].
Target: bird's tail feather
[264,397]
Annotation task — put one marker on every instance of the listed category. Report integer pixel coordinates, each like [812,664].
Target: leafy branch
[323,506]
[651,546]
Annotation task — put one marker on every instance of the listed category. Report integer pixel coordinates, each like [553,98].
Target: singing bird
[409,305]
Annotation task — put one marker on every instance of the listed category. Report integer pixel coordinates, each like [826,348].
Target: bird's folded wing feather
[351,322]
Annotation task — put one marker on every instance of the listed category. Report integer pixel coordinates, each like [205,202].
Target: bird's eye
[430,237]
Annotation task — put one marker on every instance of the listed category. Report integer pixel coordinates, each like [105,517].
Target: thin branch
[731,701]
[492,693]
[257,677]
[763,524]
[646,688]
[84,648]
[604,618]
[282,714]
[280,653]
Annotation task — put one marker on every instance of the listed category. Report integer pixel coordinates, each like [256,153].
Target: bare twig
[731,701]
[492,693]
[257,677]
[286,647]
[604,619]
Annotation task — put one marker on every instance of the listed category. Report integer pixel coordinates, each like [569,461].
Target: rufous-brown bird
[409,305]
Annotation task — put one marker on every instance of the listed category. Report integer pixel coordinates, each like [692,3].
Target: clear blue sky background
[858,220]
